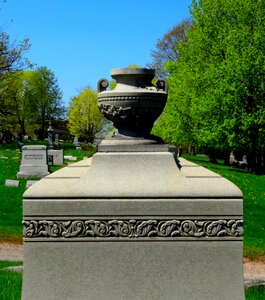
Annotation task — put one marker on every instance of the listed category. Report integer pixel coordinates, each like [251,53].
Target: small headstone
[18,269]
[11,182]
[57,156]
[4,157]
[67,157]
[76,142]
[30,183]
[232,158]
[73,158]
[78,148]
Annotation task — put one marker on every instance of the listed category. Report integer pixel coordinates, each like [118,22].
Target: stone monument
[133,223]
[34,162]
[50,133]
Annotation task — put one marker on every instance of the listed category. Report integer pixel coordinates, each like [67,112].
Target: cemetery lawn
[11,197]
[253,189]
[10,282]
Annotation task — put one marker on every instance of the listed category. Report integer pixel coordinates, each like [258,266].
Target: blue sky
[82,40]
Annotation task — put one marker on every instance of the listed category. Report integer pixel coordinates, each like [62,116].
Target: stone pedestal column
[133,224]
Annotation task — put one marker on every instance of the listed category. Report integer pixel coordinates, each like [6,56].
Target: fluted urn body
[135,103]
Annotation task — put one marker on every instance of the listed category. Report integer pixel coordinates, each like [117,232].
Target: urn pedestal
[133,223]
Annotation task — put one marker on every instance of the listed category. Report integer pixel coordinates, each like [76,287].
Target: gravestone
[11,182]
[76,142]
[57,156]
[134,223]
[30,183]
[34,162]
[50,133]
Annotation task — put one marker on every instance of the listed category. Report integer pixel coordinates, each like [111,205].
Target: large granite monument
[133,222]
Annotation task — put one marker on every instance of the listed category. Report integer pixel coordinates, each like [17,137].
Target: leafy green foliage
[217,91]
[85,119]
[10,285]
[31,99]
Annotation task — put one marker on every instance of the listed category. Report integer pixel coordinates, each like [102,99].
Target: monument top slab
[34,147]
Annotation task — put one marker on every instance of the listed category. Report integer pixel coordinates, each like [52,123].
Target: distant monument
[50,132]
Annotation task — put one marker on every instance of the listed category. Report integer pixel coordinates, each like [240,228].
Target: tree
[85,119]
[166,48]
[46,96]
[217,85]
[32,98]
[11,59]
[11,53]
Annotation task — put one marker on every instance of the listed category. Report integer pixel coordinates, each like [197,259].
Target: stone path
[254,271]
[11,252]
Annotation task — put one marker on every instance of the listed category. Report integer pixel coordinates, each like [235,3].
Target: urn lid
[132,71]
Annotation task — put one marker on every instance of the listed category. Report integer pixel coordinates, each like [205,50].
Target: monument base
[135,225]
[29,171]
[137,270]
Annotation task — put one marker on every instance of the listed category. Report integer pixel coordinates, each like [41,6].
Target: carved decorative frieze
[133,228]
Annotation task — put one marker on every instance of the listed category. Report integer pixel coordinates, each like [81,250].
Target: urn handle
[102,85]
[161,84]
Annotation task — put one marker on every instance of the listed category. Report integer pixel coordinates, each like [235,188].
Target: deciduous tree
[217,86]
[85,120]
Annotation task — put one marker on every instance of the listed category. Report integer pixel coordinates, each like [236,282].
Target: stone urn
[135,103]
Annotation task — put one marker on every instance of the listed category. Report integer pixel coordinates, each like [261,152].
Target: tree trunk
[212,157]
[226,158]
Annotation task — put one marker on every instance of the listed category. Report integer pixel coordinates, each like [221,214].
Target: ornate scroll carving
[133,228]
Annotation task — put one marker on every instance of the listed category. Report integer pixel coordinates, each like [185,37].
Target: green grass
[10,282]
[11,197]
[255,293]
[253,188]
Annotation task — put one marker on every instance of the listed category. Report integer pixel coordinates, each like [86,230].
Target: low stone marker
[30,183]
[73,158]
[34,162]
[11,182]
[67,157]
[4,157]
[70,157]
[57,156]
